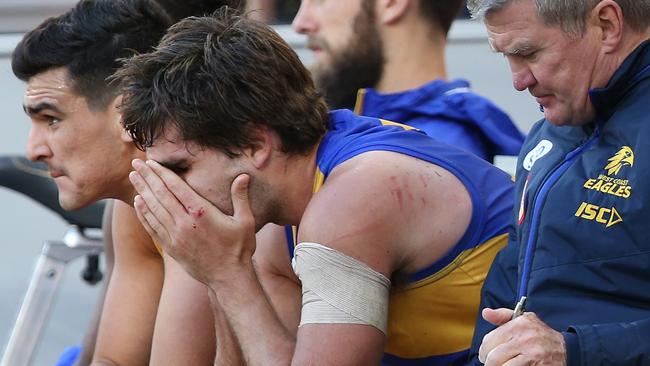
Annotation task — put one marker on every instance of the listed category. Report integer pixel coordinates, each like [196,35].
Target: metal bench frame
[42,289]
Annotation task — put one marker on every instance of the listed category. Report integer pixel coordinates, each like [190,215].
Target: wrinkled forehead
[513,26]
[55,79]
[52,87]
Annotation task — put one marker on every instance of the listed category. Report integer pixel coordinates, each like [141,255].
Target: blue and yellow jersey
[450,112]
[431,317]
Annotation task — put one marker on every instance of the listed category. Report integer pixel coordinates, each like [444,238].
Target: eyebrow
[40,107]
[518,50]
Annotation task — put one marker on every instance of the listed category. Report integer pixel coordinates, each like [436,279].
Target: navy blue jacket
[580,246]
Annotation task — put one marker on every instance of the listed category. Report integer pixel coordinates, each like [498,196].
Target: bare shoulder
[127,231]
[272,252]
[386,209]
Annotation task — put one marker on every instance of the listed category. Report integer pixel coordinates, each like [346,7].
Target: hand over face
[209,244]
[526,340]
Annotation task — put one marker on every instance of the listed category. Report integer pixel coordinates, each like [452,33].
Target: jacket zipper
[537,202]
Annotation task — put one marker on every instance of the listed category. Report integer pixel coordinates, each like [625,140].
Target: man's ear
[392,11]
[608,16]
[117,116]
[125,136]
[264,143]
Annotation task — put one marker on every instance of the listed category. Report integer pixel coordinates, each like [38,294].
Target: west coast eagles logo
[625,156]
[619,187]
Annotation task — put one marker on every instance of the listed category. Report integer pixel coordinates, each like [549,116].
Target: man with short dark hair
[76,131]
[390,231]
[579,258]
[387,60]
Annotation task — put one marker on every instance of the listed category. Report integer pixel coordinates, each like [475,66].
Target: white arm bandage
[339,289]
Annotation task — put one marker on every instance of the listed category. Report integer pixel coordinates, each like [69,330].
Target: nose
[522,76]
[37,148]
[303,22]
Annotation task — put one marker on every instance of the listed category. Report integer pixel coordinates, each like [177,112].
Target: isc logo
[606,216]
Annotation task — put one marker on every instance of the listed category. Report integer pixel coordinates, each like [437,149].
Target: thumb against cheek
[239,193]
[497,316]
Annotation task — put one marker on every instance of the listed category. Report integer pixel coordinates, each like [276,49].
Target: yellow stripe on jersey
[386,122]
[358,104]
[319,179]
[158,248]
[358,109]
[436,315]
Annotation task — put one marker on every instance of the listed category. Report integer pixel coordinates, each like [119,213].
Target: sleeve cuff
[572,348]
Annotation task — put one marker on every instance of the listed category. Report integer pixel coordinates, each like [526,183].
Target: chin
[554,121]
[320,66]
[69,204]
[563,114]
[72,201]
[76,195]
[555,118]
[321,61]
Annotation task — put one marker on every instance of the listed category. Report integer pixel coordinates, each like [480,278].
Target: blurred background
[24,225]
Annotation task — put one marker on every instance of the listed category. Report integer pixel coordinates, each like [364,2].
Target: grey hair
[570,15]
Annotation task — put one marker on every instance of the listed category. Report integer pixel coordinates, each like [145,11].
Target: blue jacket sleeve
[609,344]
[499,291]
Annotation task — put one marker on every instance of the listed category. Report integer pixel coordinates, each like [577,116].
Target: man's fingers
[501,355]
[497,316]
[156,193]
[517,361]
[486,346]
[241,205]
[188,198]
[151,190]
[496,337]
[523,341]
[149,221]
[149,198]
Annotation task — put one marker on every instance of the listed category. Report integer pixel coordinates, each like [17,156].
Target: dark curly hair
[213,78]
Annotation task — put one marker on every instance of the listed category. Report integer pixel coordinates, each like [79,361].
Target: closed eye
[179,170]
[530,55]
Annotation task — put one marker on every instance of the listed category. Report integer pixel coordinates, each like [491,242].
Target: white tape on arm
[339,289]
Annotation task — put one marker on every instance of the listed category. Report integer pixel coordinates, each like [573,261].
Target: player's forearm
[228,350]
[260,334]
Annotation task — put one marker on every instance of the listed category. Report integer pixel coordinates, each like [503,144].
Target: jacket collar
[633,70]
